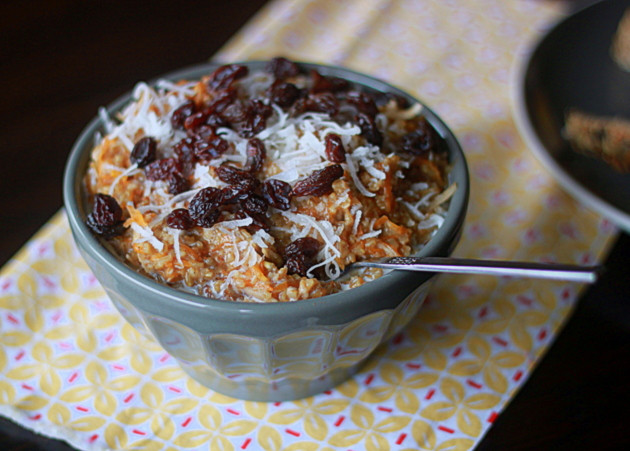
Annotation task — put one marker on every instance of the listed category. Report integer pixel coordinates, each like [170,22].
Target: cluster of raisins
[171,171]
[247,117]
[327,94]
[244,196]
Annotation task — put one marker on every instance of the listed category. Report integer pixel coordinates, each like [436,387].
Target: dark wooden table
[62,59]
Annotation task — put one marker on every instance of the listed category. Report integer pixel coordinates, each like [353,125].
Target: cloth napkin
[72,368]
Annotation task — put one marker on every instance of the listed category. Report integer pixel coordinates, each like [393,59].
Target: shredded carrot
[430,171]
[380,221]
[135,216]
[280,287]
[188,251]
[258,274]
[396,228]
[388,193]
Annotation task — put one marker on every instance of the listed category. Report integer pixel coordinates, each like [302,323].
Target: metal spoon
[555,271]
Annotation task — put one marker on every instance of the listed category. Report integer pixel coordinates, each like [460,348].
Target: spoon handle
[555,271]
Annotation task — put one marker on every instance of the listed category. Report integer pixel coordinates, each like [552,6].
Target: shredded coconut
[146,234]
[175,234]
[127,172]
[234,224]
[373,234]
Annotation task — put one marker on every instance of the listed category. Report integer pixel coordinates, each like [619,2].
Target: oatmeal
[262,186]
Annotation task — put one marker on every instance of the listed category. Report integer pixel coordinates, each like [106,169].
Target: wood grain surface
[62,59]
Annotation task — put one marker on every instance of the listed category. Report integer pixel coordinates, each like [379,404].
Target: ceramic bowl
[275,351]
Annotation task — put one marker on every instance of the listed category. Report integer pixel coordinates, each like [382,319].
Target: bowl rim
[446,235]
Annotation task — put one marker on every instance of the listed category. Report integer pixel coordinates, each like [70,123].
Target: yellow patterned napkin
[70,367]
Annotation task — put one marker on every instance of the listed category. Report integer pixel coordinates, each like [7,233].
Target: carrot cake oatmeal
[261,186]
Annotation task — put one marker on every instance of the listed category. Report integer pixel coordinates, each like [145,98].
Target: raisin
[254,125]
[164,169]
[193,121]
[223,77]
[298,107]
[180,219]
[106,210]
[306,246]
[299,255]
[368,129]
[277,193]
[203,208]
[221,101]
[106,217]
[282,68]
[253,204]
[335,151]
[235,112]
[319,182]
[258,222]
[421,141]
[210,147]
[249,185]
[297,265]
[234,176]
[231,194]
[322,103]
[247,118]
[177,184]
[209,219]
[104,231]
[184,152]
[322,83]
[284,94]
[255,155]
[260,107]
[363,102]
[144,151]
[256,120]
[169,170]
[180,114]
[202,132]
[215,120]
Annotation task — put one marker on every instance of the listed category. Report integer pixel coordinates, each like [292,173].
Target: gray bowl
[264,352]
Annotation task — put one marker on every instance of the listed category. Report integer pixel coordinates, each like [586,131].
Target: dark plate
[571,67]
